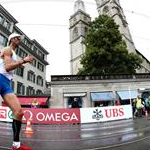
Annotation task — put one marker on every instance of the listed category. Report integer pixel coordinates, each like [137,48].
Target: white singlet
[7,74]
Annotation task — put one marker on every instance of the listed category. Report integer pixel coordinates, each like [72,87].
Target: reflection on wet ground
[121,135]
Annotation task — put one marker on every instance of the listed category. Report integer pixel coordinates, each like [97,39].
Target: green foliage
[106,51]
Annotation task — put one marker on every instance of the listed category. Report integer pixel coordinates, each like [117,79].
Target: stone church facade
[79,23]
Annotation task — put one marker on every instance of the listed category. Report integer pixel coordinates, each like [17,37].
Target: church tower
[79,23]
[114,10]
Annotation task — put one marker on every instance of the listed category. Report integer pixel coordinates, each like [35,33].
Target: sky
[47,21]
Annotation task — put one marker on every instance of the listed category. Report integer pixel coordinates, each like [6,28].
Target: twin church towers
[79,23]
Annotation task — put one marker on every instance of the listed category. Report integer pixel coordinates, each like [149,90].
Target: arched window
[106,9]
[75,33]
[85,30]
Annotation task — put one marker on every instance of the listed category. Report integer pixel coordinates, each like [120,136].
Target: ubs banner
[100,114]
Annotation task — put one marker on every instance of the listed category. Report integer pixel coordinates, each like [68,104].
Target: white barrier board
[5,114]
[101,114]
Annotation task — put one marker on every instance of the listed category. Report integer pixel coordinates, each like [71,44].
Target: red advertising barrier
[51,116]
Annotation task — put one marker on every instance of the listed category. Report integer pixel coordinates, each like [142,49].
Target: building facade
[30,78]
[93,91]
[113,9]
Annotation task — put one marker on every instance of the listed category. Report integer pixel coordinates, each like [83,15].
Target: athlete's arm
[9,64]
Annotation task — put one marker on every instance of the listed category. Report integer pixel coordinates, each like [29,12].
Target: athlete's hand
[28,59]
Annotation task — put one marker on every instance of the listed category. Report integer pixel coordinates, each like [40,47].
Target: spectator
[75,104]
[117,103]
[147,108]
[139,106]
[35,103]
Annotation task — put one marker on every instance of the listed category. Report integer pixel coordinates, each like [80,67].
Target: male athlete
[8,62]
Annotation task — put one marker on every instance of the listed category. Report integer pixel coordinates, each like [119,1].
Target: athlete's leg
[14,105]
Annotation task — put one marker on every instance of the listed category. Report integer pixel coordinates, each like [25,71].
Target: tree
[106,52]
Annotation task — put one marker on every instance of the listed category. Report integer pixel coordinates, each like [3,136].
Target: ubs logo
[97,114]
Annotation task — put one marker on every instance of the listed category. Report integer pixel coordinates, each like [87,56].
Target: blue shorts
[5,87]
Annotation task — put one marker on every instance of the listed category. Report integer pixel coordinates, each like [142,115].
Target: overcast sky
[47,21]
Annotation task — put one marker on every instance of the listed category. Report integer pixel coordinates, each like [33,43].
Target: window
[106,9]
[40,66]
[39,92]
[20,52]
[30,90]
[43,57]
[3,40]
[6,25]
[118,10]
[19,71]
[29,44]
[35,49]
[75,33]
[74,19]
[74,102]
[24,41]
[31,76]
[33,63]
[40,54]
[85,18]
[1,19]
[39,81]
[85,30]
[20,88]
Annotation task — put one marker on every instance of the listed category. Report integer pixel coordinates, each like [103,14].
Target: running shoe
[22,147]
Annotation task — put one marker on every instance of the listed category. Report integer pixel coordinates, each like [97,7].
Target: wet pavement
[117,135]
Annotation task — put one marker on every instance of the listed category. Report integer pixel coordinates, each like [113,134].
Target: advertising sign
[52,116]
[66,116]
[43,116]
[101,114]
[5,114]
